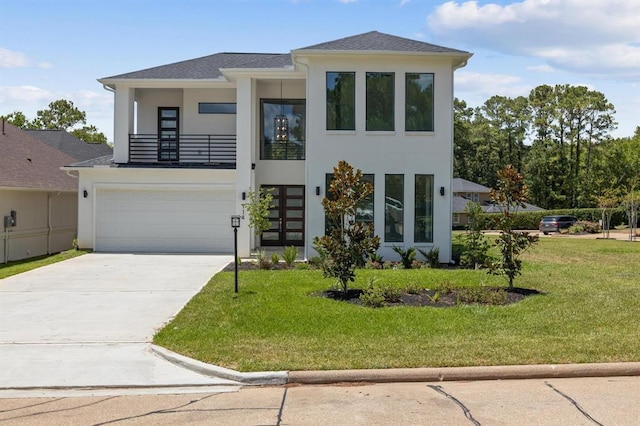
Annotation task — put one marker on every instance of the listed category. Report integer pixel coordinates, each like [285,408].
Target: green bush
[376,295]
[481,295]
[275,258]
[432,257]
[289,255]
[406,256]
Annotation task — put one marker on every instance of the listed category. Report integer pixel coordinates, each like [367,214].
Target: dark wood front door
[286,216]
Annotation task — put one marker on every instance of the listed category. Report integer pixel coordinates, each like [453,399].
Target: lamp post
[235,224]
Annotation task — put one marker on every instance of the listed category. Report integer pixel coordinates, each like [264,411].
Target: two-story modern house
[193,138]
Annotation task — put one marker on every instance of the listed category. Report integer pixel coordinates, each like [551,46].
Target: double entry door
[286,216]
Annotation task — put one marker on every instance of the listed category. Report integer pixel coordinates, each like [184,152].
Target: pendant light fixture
[281,123]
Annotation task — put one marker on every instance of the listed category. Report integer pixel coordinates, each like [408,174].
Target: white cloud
[16,95]
[45,65]
[11,59]
[541,68]
[589,36]
[348,1]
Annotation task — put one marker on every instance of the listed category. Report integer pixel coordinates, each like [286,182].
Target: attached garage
[164,220]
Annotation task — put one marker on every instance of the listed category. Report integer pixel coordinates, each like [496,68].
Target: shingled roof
[71,145]
[27,162]
[380,42]
[208,67]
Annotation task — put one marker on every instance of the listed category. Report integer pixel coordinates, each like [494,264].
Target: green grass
[19,266]
[589,313]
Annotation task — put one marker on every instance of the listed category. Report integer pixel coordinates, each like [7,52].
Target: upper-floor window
[419,102]
[216,108]
[290,146]
[341,101]
[380,101]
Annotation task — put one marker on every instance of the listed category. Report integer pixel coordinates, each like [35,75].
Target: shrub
[315,262]
[432,257]
[275,258]
[289,255]
[376,295]
[406,256]
[481,295]
[413,288]
[263,263]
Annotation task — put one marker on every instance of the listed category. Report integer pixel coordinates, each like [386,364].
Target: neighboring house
[38,201]
[465,191]
[71,145]
[208,130]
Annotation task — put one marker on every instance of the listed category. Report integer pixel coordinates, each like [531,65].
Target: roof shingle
[70,145]
[26,162]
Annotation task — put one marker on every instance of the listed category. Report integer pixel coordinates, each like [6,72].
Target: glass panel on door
[168,133]
[286,216]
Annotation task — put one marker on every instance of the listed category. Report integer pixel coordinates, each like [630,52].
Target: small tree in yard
[476,245]
[258,209]
[608,201]
[348,242]
[511,194]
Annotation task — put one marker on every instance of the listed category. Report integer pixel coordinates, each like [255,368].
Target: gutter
[49,226]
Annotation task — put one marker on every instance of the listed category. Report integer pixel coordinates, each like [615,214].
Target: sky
[57,49]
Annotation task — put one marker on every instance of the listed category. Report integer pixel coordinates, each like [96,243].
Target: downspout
[49,226]
[5,243]
[306,164]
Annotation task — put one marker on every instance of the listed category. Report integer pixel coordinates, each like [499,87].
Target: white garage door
[169,221]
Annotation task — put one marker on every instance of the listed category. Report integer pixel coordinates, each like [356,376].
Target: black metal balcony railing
[196,149]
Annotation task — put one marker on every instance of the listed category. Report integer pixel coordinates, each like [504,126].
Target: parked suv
[555,223]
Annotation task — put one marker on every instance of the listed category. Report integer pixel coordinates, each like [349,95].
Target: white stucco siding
[380,153]
[196,123]
[147,103]
[174,206]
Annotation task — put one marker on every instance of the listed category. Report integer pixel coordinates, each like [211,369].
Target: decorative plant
[476,253]
[347,242]
[406,256]
[258,209]
[509,196]
[289,255]
[432,257]
[275,259]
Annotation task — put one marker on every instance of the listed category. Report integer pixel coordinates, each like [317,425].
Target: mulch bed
[428,297]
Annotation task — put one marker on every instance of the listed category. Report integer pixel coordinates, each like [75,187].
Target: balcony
[184,150]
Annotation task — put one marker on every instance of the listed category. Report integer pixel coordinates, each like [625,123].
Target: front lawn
[19,266]
[589,313]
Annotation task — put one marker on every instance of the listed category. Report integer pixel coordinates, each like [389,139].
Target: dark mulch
[428,297]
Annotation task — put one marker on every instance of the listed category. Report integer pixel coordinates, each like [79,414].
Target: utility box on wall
[10,221]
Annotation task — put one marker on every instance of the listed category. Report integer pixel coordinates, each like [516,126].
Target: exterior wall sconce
[85,194]
[244,196]
[317,190]
[442,191]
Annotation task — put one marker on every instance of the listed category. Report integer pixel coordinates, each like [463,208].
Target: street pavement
[574,401]
[89,321]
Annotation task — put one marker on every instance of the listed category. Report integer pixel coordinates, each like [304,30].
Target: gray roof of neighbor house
[27,162]
[379,42]
[70,145]
[463,185]
[208,67]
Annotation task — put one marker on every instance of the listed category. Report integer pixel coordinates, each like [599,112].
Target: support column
[245,131]
[123,123]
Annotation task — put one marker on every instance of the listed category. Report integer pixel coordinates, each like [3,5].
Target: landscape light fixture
[235,224]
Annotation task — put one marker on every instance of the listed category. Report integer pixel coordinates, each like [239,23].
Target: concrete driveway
[88,321]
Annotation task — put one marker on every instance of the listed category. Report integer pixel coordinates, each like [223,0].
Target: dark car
[555,223]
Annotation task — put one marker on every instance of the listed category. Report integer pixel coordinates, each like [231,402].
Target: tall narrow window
[423,228]
[364,210]
[380,101]
[293,147]
[341,101]
[394,208]
[419,102]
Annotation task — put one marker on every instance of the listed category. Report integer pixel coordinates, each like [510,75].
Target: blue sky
[53,49]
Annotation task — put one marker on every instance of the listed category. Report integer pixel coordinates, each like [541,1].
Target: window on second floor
[419,102]
[341,101]
[293,145]
[380,101]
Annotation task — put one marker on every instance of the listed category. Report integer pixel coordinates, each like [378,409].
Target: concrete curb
[256,378]
[506,372]
[502,372]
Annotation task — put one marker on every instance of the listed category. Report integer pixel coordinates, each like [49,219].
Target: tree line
[558,137]
[61,115]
